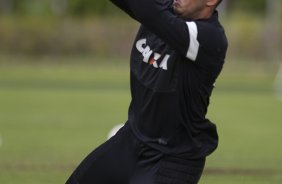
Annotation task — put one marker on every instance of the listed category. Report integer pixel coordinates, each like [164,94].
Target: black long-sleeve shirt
[174,65]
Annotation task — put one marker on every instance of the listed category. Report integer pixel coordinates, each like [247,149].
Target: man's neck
[204,14]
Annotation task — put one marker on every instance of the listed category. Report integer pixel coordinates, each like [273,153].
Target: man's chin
[176,12]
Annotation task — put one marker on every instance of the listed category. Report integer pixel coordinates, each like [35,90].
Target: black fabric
[110,163]
[179,171]
[167,136]
[170,90]
[125,160]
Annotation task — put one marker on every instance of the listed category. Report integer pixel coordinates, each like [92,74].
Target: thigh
[110,163]
[147,165]
[157,168]
[173,170]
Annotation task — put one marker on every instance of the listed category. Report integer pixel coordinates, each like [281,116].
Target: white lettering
[139,45]
[163,64]
[156,57]
[146,52]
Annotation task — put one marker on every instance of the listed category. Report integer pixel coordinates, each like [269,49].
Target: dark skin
[194,9]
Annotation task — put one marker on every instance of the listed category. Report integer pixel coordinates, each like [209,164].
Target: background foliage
[84,7]
[64,83]
[74,27]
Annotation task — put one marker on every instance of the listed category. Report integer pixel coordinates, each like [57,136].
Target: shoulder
[211,36]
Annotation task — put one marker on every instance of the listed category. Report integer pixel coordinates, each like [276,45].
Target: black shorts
[125,160]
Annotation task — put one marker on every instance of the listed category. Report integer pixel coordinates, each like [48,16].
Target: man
[178,53]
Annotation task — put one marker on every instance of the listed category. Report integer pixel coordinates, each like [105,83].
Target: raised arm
[158,17]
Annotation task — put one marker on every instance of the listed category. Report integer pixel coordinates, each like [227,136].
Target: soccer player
[176,57]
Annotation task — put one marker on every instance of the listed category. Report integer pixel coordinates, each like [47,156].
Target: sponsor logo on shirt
[151,57]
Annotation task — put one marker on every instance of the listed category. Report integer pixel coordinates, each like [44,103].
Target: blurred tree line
[56,7]
[62,27]
[86,7]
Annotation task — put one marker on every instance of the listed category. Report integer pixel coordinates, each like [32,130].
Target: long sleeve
[188,38]
[158,17]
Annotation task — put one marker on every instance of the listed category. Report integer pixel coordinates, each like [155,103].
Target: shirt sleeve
[158,17]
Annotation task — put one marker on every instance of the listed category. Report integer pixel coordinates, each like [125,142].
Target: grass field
[53,114]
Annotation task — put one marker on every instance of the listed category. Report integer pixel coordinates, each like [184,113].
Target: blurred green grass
[53,114]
